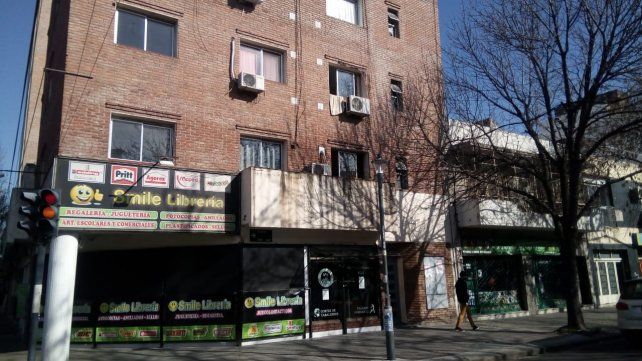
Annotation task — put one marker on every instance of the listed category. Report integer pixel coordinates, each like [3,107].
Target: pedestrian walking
[461,289]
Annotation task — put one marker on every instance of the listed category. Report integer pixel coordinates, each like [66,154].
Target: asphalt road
[612,349]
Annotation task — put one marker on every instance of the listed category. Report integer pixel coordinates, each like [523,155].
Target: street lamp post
[387,313]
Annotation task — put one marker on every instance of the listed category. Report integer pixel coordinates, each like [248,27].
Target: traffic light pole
[37,297]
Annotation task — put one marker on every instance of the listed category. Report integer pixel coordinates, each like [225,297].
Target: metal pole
[41,250]
[387,313]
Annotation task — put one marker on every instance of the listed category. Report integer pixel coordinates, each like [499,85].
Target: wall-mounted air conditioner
[251,82]
[320,169]
[358,106]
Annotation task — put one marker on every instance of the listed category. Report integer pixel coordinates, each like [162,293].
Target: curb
[520,351]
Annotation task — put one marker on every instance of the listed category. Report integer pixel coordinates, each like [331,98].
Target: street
[610,349]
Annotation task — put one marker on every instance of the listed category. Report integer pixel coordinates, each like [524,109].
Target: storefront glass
[493,284]
[344,284]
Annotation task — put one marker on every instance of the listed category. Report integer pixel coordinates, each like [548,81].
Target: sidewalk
[497,340]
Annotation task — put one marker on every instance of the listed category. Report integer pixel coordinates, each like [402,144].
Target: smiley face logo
[173,306]
[83,195]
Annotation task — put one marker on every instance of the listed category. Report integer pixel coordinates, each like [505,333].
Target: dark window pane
[161,37]
[125,140]
[157,143]
[131,29]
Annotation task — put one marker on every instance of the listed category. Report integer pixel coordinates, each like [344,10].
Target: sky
[16,19]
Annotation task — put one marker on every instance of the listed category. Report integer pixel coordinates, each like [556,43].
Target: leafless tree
[562,74]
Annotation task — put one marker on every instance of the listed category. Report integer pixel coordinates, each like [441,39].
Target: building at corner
[214,164]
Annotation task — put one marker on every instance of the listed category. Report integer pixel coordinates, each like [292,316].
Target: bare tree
[559,73]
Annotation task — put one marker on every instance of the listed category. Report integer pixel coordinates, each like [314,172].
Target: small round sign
[325,277]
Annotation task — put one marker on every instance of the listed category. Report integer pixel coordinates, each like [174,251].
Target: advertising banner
[199,319]
[275,313]
[116,197]
[128,321]
[82,330]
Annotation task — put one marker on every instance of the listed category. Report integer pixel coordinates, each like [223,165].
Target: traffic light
[39,217]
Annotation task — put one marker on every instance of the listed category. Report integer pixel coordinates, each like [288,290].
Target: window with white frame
[134,140]
[259,61]
[141,31]
[344,82]
[346,10]
[260,153]
[435,277]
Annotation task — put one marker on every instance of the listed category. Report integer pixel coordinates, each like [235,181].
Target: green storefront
[498,276]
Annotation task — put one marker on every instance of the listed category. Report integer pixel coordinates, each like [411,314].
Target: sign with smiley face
[134,198]
[84,195]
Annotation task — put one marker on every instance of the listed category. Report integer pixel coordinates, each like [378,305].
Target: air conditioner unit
[251,82]
[358,106]
[255,2]
[320,169]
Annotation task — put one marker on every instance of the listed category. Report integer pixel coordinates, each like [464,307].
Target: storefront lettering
[125,307]
[280,301]
[194,305]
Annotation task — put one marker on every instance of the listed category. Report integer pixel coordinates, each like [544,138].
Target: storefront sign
[283,313]
[128,321]
[199,333]
[144,199]
[273,328]
[82,330]
[511,250]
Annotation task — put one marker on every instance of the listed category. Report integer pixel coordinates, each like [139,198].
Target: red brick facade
[194,92]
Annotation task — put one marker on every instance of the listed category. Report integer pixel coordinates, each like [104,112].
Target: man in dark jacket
[461,289]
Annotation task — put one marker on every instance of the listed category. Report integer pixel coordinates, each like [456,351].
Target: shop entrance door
[343,289]
[608,280]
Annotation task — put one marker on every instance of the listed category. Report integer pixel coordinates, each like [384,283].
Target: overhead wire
[65,123]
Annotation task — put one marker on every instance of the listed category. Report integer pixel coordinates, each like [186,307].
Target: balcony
[276,199]
[499,213]
[272,199]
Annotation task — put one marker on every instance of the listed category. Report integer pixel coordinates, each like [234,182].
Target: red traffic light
[50,197]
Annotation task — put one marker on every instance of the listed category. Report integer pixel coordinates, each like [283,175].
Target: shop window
[259,61]
[134,140]
[260,153]
[143,32]
[435,277]
[396,93]
[344,82]
[393,23]
[347,164]
[346,10]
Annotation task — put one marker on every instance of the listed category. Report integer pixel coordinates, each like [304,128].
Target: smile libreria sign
[117,197]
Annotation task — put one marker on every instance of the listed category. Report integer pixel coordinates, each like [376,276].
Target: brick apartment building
[186,165]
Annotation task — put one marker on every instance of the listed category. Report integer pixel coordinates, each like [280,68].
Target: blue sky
[16,20]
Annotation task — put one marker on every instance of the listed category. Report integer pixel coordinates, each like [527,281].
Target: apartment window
[344,82]
[393,23]
[143,32]
[346,10]
[347,164]
[604,197]
[139,141]
[396,93]
[401,167]
[262,62]
[260,153]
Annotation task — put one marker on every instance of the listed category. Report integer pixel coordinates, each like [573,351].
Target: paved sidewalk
[497,340]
